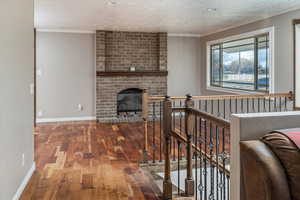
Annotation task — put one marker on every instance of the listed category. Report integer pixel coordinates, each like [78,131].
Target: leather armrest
[262,175]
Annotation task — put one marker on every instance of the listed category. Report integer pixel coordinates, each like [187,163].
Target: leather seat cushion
[289,155]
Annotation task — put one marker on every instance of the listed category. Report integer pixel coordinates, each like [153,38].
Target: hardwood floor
[87,161]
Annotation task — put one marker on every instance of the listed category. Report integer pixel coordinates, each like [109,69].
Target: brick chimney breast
[118,52]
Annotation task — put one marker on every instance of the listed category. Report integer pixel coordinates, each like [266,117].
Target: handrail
[178,109]
[216,97]
[217,120]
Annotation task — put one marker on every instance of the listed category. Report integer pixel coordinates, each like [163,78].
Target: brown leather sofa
[270,167]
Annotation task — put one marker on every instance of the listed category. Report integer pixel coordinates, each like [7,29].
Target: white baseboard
[65,119]
[24,182]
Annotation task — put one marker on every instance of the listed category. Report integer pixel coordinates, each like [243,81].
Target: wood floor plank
[88,161]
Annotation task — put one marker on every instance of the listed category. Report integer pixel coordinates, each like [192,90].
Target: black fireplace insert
[129,101]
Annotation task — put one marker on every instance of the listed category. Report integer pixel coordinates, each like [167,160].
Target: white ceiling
[173,16]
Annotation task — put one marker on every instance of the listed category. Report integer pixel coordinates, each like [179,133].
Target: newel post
[167,119]
[145,120]
[189,182]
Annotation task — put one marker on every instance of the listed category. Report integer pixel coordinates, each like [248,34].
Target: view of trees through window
[241,64]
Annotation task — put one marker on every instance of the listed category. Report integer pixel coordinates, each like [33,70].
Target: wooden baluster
[167,119]
[189,182]
[145,120]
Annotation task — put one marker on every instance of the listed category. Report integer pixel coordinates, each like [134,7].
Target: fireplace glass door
[129,102]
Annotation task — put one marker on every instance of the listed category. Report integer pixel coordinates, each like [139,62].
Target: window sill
[233,91]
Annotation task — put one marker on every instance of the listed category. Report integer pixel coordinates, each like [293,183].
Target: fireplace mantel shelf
[132,73]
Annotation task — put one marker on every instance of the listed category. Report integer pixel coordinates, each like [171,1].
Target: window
[241,64]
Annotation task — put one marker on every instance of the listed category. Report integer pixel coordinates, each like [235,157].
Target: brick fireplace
[116,53]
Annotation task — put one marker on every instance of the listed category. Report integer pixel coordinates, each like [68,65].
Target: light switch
[23,160]
[31,89]
[39,72]
[80,107]
[40,113]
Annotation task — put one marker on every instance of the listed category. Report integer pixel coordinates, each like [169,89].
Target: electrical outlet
[23,160]
[80,107]
[40,113]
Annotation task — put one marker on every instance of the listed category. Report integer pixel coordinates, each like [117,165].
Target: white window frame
[271,32]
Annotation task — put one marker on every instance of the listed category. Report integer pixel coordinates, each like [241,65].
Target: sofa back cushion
[286,149]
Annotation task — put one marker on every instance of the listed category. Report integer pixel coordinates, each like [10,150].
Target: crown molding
[251,21]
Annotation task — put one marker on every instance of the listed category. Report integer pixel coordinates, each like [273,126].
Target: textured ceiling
[173,16]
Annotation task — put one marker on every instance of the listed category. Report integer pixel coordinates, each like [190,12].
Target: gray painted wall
[66,72]
[16,102]
[65,75]
[283,49]
[183,66]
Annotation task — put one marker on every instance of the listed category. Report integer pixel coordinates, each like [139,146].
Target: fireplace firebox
[129,101]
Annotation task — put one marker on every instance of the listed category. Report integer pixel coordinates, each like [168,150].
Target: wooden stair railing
[193,150]
[189,182]
[197,128]
[220,107]
[204,135]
